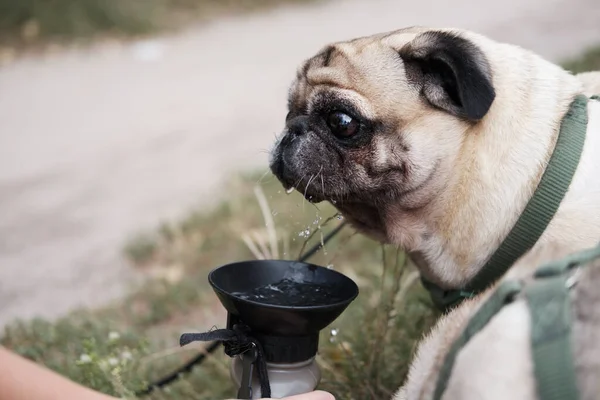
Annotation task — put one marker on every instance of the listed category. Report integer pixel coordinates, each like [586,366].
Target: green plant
[99,357]
[370,359]
[140,249]
[589,61]
[30,19]
[26,22]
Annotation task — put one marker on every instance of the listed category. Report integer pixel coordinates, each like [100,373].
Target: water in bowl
[292,293]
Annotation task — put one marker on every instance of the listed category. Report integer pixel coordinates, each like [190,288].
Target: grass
[359,361]
[589,61]
[31,22]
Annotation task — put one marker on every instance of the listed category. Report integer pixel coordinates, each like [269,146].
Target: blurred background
[134,137]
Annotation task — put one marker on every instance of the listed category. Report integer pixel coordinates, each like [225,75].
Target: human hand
[316,395]
[17,373]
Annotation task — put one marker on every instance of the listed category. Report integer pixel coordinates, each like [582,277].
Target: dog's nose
[298,125]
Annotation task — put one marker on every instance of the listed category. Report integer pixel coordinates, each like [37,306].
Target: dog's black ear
[452,72]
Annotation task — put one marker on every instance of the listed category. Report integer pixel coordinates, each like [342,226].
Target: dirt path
[98,144]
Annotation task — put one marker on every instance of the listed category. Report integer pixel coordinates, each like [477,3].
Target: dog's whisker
[306,190]
[322,182]
[299,181]
[260,180]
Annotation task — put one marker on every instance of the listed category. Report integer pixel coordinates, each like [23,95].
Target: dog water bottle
[275,311]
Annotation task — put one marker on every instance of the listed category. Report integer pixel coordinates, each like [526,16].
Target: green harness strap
[549,305]
[550,311]
[537,214]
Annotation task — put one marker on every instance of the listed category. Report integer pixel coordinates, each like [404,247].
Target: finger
[316,395]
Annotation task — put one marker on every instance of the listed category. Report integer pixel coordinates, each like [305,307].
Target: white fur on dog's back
[422,375]
[591,82]
[496,364]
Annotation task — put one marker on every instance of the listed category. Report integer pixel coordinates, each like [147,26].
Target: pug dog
[434,140]
[497,362]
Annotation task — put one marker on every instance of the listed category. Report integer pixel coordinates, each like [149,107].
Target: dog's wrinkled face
[379,121]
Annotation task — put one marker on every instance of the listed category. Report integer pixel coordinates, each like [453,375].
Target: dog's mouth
[310,187]
[313,186]
[314,197]
[281,171]
[319,186]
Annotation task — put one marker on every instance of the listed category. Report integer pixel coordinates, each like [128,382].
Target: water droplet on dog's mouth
[290,190]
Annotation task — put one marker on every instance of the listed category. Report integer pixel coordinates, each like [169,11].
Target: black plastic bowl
[279,320]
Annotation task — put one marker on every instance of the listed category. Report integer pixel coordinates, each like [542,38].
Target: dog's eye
[342,125]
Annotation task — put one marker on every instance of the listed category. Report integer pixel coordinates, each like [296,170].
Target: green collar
[548,299]
[537,214]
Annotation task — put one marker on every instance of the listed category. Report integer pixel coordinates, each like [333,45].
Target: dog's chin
[315,198]
[290,179]
[364,218]
[362,215]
